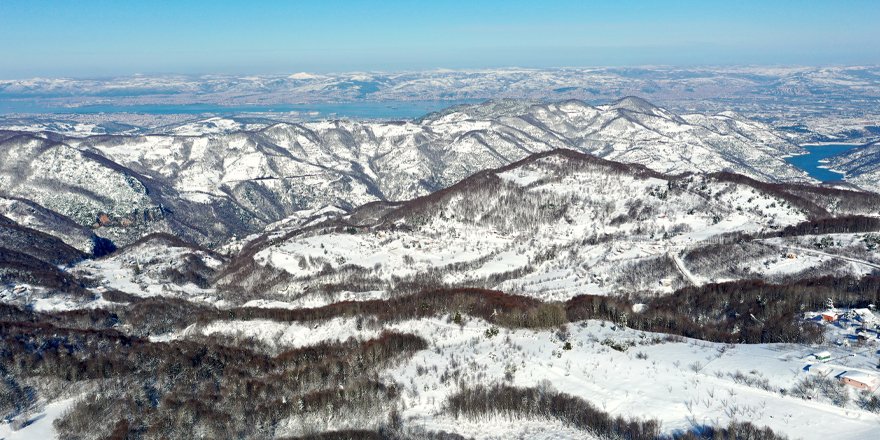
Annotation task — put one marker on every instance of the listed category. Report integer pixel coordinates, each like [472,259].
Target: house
[830,316]
[821,370]
[104,219]
[857,379]
[822,356]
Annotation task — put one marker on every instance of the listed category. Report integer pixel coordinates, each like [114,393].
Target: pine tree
[829,304]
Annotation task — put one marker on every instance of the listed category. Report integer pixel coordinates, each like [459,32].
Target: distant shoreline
[825,144]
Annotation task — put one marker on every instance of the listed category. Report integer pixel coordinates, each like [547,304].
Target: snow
[39,425]
[662,386]
[58,303]
[314,301]
[302,75]
[293,335]
[551,258]
[214,125]
[42,299]
[500,428]
[142,271]
[522,177]
[676,380]
[846,248]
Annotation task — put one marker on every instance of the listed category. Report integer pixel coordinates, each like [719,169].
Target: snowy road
[840,257]
[684,270]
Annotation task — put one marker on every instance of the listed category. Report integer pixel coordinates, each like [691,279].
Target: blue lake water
[812,161]
[353,110]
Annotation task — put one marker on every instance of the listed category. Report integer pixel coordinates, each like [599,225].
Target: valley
[587,270]
[449,220]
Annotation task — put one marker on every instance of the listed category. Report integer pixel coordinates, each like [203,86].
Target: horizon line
[443,69]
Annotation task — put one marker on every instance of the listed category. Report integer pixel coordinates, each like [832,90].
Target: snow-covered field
[680,382]
[38,425]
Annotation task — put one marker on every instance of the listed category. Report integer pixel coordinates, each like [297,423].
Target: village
[851,353]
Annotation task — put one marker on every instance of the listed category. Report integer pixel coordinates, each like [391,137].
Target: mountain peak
[635,104]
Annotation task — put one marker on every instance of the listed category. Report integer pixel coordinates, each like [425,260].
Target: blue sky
[103,38]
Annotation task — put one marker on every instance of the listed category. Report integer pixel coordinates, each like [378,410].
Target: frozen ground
[38,425]
[680,382]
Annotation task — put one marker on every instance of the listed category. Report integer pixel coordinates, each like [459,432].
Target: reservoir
[392,110]
[814,162]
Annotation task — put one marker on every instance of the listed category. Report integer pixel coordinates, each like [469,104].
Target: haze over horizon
[100,38]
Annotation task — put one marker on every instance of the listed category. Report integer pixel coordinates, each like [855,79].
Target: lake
[812,162]
[353,110]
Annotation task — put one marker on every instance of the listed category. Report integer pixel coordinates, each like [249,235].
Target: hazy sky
[100,38]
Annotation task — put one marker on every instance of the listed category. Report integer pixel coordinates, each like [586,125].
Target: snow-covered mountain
[553,225]
[807,104]
[246,179]
[116,202]
[356,162]
[730,82]
[158,264]
[31,215]
[861,166]
[561,269]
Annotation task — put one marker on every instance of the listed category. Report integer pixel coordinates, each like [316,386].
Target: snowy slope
[67,180]
[247,178]
[860,166]
[401,160]
[156,265]
[681,382]
[66,184]
[34,216]
[552,226]
[255,177]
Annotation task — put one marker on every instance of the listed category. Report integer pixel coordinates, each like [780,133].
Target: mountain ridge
[494,213]
[247,179]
